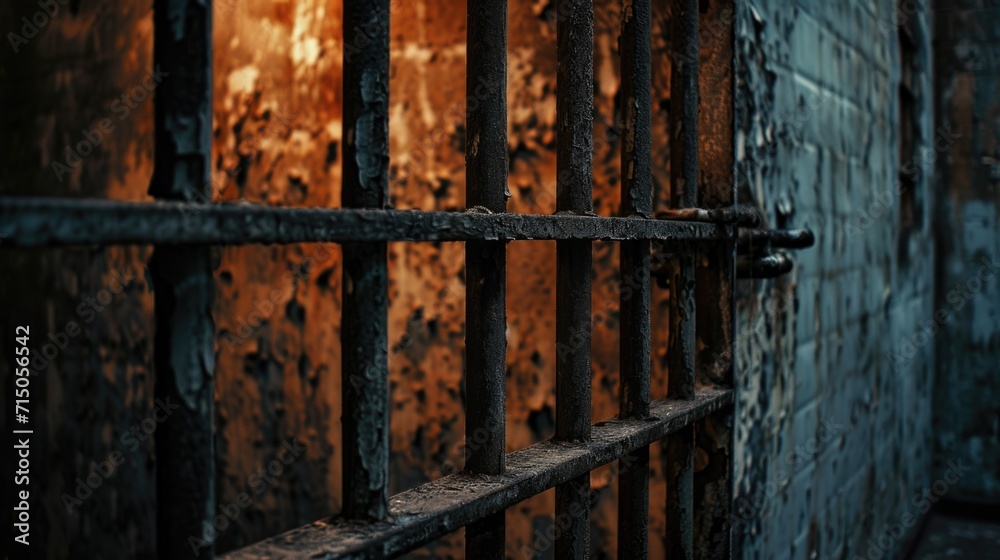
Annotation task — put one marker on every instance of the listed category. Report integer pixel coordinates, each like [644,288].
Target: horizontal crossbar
[437,508]
[40,222]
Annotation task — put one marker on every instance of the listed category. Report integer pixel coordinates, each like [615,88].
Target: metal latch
[756,255]
[755,258]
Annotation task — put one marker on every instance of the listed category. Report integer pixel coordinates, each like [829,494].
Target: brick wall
[833,427]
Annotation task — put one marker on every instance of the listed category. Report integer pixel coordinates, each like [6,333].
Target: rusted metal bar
[713,486]
[486,269]
[715,292]
[684,102]
[743,216]
[776,238]
[183,348]
[437,508]
[680,494]
[768,266]
[574,195]
[684,183]
[633,505]
[363,332]
[41,222]
[637,199]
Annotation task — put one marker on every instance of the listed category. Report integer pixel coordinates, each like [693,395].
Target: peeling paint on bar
[365,287]
[434,509]
[183,286]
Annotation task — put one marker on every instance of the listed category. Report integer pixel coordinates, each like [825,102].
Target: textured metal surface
[637,199]
[684,183]
[364,326]
[680,495]
[782,238]
[684,103]
[184,343]
[486,264]
[35,222]
[574,195]
[681,351]
[768,266]
[436,508]
[715,293]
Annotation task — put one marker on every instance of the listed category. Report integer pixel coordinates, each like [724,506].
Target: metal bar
[637,199]
[684,181]
[684,103]
[574,195]
[633,505]
[680,494]
[40,222]
[183,348]
[768,266]
[750,239]
[363,332]
[486,268]
[712,492]
[437,508]
[715,294]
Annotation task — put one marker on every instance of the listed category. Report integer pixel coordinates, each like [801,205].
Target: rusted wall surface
[62,82]
[833,434]
[966,390]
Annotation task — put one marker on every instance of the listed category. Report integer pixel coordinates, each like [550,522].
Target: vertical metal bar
[684,183]
[637,199]
[574,183]
[716,321]
[184,354]
[680,494]
[633,505]
[486,268]
[365,386]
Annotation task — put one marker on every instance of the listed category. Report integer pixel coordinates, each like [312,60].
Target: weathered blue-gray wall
[834,431]
[967,386]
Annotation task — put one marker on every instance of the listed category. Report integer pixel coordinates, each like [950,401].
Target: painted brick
[857,295]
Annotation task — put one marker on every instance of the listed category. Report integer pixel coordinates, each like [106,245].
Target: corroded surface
[96,385]
[421,514]
[831,434]
[40,222]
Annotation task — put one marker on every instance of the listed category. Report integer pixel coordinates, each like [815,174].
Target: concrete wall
[967,387]
[834,431]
